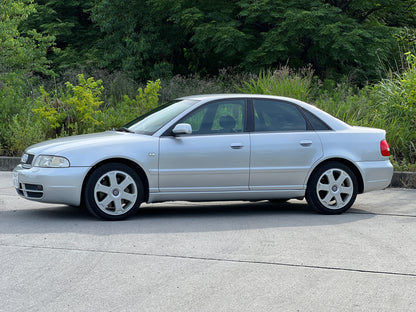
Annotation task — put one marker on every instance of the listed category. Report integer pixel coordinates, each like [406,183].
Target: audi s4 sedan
[211,148]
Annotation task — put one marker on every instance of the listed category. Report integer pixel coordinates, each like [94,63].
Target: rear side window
[317,124]
[272,115]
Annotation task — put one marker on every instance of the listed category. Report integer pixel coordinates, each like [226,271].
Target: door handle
[236,145]
[305,143]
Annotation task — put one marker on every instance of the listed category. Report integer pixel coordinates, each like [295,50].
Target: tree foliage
[70,24]
[21,51]
[151,39]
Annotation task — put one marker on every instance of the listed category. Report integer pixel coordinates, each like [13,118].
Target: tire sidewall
[311,193]
[89,197]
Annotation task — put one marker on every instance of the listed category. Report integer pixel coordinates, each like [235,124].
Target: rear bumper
[376,175]
[50,185]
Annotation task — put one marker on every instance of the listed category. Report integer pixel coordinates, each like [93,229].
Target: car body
[211,147]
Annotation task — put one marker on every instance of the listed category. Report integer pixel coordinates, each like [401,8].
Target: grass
[389,104]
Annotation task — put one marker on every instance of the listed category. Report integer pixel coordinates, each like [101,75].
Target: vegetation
[150,39]
[73,67]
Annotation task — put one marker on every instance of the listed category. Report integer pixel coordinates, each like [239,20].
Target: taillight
[384,148]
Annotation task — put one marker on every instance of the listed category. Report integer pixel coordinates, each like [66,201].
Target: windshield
[151,122]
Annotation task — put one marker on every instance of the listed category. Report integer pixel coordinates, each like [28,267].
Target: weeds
[31,112]
[283,82]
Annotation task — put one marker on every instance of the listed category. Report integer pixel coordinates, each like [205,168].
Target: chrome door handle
[236,145]
[306,143]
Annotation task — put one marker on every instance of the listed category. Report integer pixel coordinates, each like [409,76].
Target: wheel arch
[124,161]
[347,163]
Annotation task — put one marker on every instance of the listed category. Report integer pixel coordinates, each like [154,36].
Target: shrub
[124,111]
[389,104]
[180,86]
[14,99]
[394,105]
[76,111]
[282,82]
[24,130]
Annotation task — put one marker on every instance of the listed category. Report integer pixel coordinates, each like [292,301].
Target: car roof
[201,97]
[332,121]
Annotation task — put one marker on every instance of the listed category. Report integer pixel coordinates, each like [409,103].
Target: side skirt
[219,196]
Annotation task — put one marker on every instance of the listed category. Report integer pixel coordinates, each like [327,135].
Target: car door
[284,148]
[214,158]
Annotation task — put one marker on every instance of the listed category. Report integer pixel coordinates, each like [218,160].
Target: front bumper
[50,185]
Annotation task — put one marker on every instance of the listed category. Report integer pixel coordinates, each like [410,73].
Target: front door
[214,158]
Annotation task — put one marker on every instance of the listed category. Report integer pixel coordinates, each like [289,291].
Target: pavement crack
[214,259]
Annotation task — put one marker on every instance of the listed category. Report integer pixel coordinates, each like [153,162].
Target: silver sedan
[211,147]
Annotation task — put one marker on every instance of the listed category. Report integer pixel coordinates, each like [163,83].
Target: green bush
[394,105]
[282,82]
[14,99]
[126,110]
[29,115]
[403,165]
[389,104]
[24,130]
[180,86]
[75,111]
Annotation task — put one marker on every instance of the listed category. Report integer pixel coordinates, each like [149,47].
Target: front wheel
[332,188]
[113,192]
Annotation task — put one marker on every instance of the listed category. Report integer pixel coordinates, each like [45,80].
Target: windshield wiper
[124,129]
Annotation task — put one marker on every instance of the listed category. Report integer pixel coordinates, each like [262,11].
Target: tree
[70,24]
[336,37]
[156,38]
[302,32]
[137,37]
[21,51]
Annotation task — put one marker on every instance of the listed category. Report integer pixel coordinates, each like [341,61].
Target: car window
[157,118]
[271,115]
[218,117]
[316,123]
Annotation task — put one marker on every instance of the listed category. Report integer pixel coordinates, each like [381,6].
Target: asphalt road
[234,256]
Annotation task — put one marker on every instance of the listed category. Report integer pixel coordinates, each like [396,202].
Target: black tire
[113,192]
[332,188]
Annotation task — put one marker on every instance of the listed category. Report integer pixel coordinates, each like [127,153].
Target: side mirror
[182,128]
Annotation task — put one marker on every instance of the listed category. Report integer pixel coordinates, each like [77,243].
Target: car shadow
[174,217]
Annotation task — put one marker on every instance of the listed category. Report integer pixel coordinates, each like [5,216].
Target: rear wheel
[332,188]
[113,191]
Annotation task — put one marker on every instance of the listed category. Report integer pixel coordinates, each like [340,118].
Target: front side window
[272,115]
[218,117]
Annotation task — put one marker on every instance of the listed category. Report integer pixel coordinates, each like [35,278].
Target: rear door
[283,147]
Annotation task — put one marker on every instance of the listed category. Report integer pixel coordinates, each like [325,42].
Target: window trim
[303,112]
[169,132]
[299,109]
[309,126]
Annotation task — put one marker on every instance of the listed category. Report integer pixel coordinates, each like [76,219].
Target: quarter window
[316,123]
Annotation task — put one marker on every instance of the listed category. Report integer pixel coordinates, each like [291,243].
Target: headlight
[24,158]
[46,161]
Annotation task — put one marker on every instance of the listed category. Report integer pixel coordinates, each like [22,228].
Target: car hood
[89,143]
